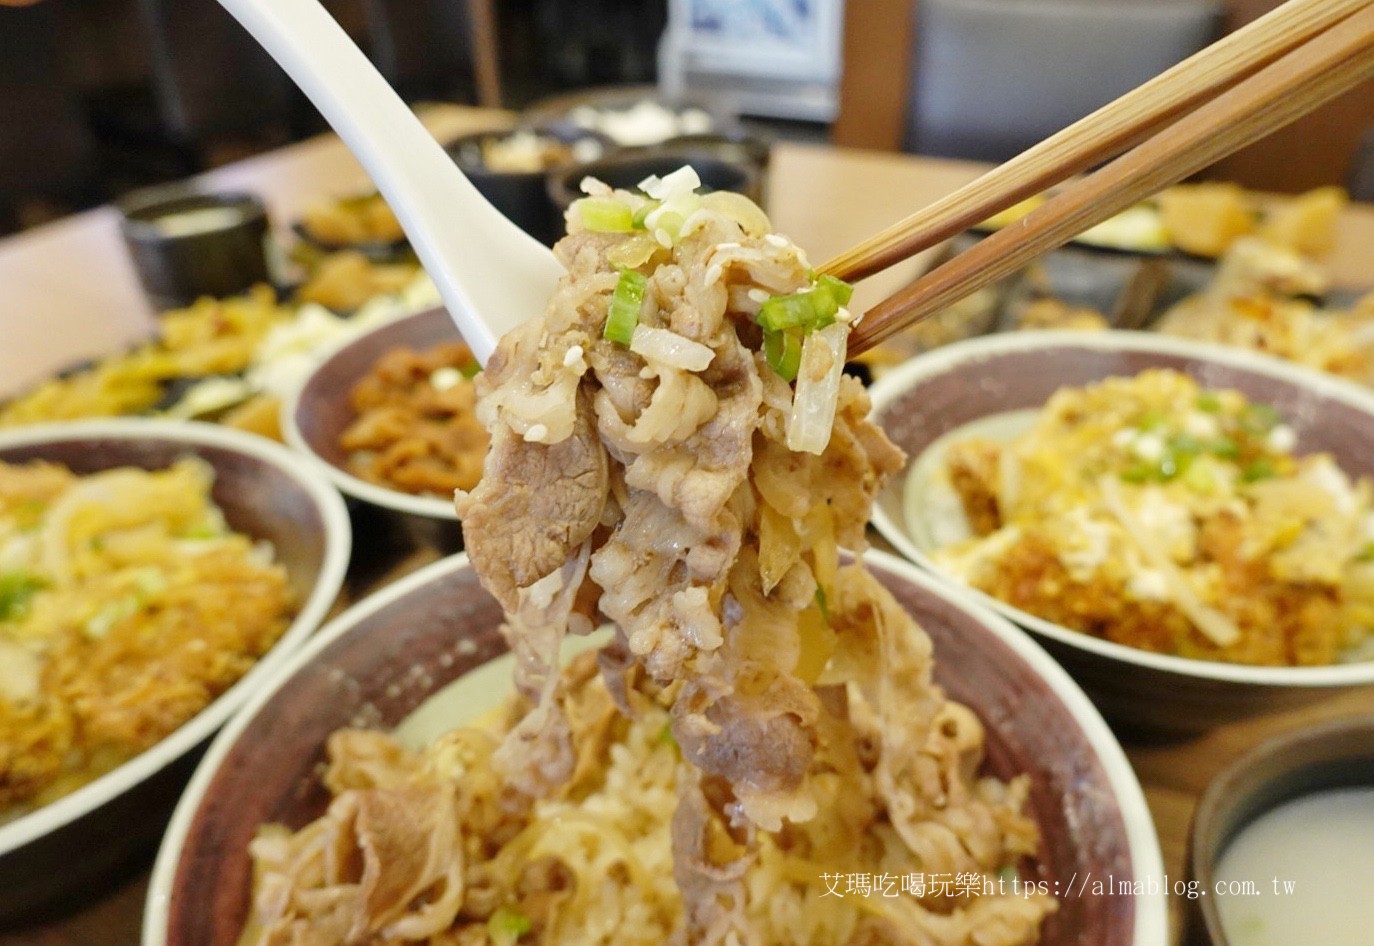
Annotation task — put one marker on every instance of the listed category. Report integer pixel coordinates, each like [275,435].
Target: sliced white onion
[818,388]
[1217,627]
[670,348]
[681,182]
[740,209]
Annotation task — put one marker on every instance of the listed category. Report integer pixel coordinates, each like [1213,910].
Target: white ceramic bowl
[266,492]
[947,389]
[317,412]
[389,654]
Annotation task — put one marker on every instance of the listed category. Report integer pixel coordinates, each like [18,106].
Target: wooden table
[68,292]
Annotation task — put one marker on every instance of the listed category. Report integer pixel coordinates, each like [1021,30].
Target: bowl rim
[1151,923]
[428,507]
[1206,828]
[957,355]
[338,546]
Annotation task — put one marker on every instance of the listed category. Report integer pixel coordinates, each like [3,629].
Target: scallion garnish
[1259,419]
[506,926]
[16,588]
[1261,469]
[782,350]
[1209,402]
[841,290]
[605,215]
[811,309]
[784,312]
[626,302]
[638,221]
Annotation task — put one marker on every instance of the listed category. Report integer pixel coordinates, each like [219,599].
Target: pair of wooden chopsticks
[1231,94]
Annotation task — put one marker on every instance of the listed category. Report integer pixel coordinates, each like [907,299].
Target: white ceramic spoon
[491,274]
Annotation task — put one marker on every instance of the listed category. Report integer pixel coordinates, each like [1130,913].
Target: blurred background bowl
[944,390]
[69,847]
[186,244]
[636,115]
[318,412]
[521,194]
[266,766]
[1331,756]
[627,168]
[313,245]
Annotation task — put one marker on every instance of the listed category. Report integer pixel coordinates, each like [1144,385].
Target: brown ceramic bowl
[316,414]
[1333,755]
[267,492]
[946,389]
[384,657]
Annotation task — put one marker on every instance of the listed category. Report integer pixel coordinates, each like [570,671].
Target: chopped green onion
[1200,478]
[1185,445]
[1223,447]
[471,370]
[794,311]
[506,926]
[841,290]
[1366,554]
[1259,419]
[28,515]
[16,588]
[814,308]
[782,350]
[666,737]
[104,620]
[639,219]
[822,603]
[1139,473]
[605,215]
[1260,469]
[1209,402]
[1171,464]
[626,303]
[1152,420]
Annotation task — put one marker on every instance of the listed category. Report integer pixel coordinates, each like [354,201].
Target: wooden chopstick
[1101,135]
[1327,65]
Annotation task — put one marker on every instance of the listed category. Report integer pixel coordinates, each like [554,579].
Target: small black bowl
[627,169]
[521,195]
[187,244]
[1332,755]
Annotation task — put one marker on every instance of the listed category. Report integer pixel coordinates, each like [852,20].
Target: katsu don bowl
[1293,446]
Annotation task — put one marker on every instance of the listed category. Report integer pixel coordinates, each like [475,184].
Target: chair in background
[46,149]
[989,78]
